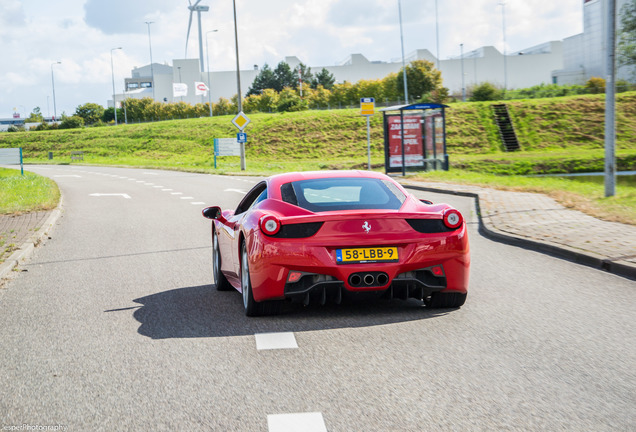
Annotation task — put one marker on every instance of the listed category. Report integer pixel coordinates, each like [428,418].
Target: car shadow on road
[201,311]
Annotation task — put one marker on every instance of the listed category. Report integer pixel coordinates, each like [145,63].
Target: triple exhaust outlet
[371,279]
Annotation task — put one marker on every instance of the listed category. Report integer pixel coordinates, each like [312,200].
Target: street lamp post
[503,26]
[207,55]
[437,33]
[112,70]
[610,102]
[53,83]
[152,73]
[461,48]
[238,82]
[406,89]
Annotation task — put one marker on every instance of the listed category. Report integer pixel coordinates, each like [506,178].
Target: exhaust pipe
[371,279]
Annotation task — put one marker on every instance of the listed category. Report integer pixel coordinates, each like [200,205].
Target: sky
[83,34]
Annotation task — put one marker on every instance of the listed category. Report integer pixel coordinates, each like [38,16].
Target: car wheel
[251,306]
[440,300]
[219,278]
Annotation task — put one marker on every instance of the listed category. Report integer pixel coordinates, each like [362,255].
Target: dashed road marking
[271,341]
[197,203]
[306,422]
[235,190]
[176,193]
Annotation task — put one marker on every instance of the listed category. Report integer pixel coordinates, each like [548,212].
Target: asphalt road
[115,324]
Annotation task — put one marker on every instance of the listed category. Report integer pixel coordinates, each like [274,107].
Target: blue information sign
[241,137]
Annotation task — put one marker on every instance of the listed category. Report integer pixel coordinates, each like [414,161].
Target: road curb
[28,247]
[620,268]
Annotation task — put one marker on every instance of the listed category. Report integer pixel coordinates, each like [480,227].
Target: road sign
[367,106]
[241,137]
[226,147]
[240,121]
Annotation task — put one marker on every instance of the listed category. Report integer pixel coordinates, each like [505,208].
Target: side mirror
[426,201]
[212,212]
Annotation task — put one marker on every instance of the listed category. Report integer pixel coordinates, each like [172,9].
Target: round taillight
[270,225]
[453,219]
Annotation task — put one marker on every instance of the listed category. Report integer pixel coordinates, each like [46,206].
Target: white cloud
[81,33]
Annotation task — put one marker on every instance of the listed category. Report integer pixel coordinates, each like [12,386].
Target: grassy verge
[22,194]
[586,195]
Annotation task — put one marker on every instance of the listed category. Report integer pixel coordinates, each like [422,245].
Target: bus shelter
[415,138]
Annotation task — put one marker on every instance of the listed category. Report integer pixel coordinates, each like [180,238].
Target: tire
[441,300]
[219,278]
[251,306]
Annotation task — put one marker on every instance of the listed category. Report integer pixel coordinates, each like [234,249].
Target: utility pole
[152,72]
[406,88]
[610,114]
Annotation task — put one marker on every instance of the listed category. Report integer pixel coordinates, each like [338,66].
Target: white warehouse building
[572,61]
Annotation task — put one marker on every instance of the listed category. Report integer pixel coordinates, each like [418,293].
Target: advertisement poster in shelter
[439,137]
[413,151]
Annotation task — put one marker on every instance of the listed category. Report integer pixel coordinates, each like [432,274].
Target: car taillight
[270,225]
[453,219]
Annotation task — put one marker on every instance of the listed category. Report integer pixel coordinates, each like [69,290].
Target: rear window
[331,194]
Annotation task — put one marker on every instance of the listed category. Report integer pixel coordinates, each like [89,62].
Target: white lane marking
[235,190]
[149,184]
[111,194]
[270,341]
[305,422]
[176,193]
[186,197]
[141,181]
[68,175]
[149,173]
[166,190]
[197,203]
[157,187]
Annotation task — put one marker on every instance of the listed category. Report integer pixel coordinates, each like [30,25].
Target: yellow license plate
[366,255]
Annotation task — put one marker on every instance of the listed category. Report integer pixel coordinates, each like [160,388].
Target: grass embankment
[22,194]
[26,193]
[558,135]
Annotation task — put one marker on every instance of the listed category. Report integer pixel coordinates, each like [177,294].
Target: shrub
[595,85]
[72,122]
[486,92]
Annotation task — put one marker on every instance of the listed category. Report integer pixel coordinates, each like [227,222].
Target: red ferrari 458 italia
[322,236]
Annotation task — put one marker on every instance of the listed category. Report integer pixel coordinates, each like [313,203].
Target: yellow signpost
[367,109]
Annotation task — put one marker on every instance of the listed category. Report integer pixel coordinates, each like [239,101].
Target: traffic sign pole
[240,121]
[369,142]
[367,109]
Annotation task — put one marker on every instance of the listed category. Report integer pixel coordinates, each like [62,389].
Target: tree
[284,76]
[35,116]
[90,112]
[627,35]
[264,80]
[422,78]
[323,78]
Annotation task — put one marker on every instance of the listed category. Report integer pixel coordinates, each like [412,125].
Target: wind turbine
[198,9]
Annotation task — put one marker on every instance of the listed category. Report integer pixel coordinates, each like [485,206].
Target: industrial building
[571,61]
